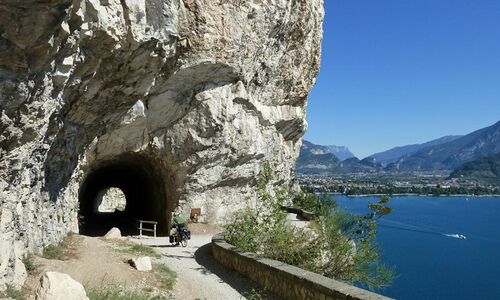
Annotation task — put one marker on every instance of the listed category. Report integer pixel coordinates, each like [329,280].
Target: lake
[419,239]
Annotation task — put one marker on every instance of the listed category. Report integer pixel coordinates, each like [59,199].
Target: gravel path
[199,276]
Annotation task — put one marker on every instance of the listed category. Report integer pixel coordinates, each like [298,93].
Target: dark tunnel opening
[144,190]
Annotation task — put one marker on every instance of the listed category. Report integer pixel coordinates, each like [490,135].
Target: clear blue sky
[397,72]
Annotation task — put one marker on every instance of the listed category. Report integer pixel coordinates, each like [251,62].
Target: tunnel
[142,183]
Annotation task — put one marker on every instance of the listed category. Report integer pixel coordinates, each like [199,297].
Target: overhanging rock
[193,95]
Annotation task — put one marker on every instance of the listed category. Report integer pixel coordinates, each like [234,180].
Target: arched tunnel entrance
[144,188]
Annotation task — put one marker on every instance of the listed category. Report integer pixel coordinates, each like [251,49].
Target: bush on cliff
[336,244]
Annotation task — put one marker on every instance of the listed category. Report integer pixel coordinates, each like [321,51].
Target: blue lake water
[429,264]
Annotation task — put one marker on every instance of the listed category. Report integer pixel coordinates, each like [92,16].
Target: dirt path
[198,275]
[97,264]
[100,264]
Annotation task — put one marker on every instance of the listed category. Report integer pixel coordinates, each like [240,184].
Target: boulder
[113,233]
[59,286]
[141,263]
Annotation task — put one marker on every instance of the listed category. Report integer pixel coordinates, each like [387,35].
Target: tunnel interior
[144,188]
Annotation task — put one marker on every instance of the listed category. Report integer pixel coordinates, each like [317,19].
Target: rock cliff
[176,102]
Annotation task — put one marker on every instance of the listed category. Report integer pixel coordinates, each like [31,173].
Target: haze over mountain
[341,152]
[392,155]
[450,155]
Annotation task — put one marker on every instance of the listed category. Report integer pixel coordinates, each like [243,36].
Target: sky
[398,72]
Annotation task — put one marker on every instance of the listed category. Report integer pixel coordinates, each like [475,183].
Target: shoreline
[413,194]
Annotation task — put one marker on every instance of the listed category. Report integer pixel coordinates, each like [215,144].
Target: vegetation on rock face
[29,263]
[336,244]
[12,293]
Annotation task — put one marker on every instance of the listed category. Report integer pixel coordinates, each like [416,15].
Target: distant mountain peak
[342,152]
[318,159]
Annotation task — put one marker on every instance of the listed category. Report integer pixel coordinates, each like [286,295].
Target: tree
[335,244]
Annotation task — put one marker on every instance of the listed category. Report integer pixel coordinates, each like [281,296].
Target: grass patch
[143,250]
[136,249]
[65,250]
[29,263]
[165,276]
[116,293]
[11,292]
[52,252]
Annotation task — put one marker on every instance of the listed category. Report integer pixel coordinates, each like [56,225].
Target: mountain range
[444,154]
[319,160]
[392,155]
[450,155]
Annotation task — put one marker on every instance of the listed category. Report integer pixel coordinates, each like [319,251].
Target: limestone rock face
[194,95]
[111,199]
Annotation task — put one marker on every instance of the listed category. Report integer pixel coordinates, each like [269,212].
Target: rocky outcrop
[192,94]
[111,199]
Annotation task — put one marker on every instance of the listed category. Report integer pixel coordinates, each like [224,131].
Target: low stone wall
[285,280]
[306,215]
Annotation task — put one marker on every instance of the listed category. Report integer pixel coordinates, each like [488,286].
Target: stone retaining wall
[284,280]
[306,215]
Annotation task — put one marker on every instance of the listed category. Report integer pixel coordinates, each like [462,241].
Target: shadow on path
[163,246]
[240,283]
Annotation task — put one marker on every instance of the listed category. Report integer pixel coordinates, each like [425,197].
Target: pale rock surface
[113,233]
[111,199]
[59,286]
[203,91]
[294,220]
[142,263]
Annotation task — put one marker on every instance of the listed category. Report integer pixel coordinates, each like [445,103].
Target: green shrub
[255,295]
[337,244]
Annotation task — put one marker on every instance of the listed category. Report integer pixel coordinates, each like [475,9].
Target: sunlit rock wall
[205,89]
